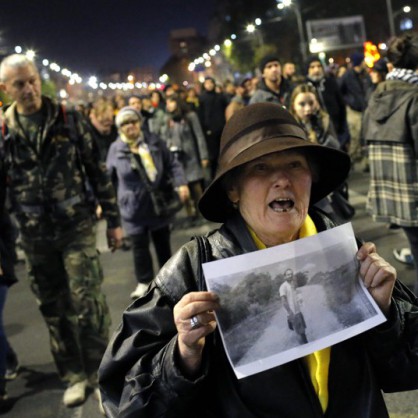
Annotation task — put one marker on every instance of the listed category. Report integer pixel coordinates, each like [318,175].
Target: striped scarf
[410,76]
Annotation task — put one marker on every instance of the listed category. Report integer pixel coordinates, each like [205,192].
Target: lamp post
[295,7]
[392,15]
[252,28]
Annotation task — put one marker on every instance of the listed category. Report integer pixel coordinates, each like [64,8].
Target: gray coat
[133,198]
[390,129]
[187,138]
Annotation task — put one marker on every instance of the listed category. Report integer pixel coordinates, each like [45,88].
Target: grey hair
[14,61]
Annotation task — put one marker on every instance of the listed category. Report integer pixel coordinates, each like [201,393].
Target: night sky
[100,35]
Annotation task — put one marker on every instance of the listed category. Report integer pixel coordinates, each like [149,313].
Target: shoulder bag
[165,200]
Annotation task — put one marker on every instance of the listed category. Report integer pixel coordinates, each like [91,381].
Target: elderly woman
[167,359]
[133,148]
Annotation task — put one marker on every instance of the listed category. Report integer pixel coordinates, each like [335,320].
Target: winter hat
[260,129]
[356,58]
[126,113]
[266,59]
[310,60]
[210,78]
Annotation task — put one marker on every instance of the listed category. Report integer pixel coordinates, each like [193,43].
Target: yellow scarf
[317,362]
[138,146]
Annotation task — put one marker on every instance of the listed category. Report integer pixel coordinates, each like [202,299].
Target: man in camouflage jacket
[47,154]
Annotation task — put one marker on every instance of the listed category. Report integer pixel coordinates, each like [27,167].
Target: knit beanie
[266,59]
[356,58]
[126,113]
[310,60]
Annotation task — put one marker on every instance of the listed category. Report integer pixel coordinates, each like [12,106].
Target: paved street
[37,392]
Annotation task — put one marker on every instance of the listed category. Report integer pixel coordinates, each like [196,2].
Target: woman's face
[155,97]
[171,105]
[131,128]
[272,194]
[305,105]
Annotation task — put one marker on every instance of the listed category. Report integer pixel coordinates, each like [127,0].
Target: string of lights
[92,81]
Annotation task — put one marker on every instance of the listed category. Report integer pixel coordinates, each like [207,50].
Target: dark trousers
[144,271]
[412,235]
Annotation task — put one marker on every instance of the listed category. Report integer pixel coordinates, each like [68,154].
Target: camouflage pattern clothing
[42,167]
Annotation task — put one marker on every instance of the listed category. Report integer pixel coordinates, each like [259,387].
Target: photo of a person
[291,302]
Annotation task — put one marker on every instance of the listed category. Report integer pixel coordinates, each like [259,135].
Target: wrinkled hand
[191,341]
[114,238]
[184,193]
[377,274]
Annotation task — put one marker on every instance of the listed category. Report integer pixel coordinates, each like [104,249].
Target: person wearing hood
[167,358]
[390,129]
[330,98]
[272,87]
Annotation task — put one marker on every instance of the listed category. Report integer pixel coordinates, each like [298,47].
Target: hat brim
[333,168]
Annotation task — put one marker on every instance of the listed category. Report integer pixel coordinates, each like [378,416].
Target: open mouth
[282,205]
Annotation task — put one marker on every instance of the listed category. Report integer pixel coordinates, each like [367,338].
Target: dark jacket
[47,187]
[332,101]
[211,114]
[103,141]
[211,111]
[264,95]
[354,87]
[187,138]
[139,376]
[390,129]
[133,198]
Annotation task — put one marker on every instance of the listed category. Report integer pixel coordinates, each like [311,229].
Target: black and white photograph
[288,301]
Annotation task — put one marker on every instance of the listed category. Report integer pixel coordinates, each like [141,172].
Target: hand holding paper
[194,308]
[377,274]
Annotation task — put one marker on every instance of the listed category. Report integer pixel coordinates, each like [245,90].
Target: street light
[251,28]
[392,15]
[295,7]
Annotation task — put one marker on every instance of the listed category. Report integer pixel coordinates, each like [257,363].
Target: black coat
[139,376]
[331,100]
[354,87]
[211,111]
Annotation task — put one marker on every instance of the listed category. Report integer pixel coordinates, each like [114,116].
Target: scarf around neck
[402,74]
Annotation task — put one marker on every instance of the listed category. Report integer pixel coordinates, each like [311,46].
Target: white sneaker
[404,255]
[139,291]
[75,394]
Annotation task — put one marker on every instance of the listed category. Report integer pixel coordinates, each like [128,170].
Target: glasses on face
[128,122]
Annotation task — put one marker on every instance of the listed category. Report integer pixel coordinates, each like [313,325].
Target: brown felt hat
[261,129]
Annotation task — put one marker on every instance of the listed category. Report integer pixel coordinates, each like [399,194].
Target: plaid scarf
[410,76]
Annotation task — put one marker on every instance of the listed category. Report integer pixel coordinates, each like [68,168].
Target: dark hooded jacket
[139,376]
[390,129]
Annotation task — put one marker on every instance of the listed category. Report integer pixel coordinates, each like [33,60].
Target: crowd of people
[268,158]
